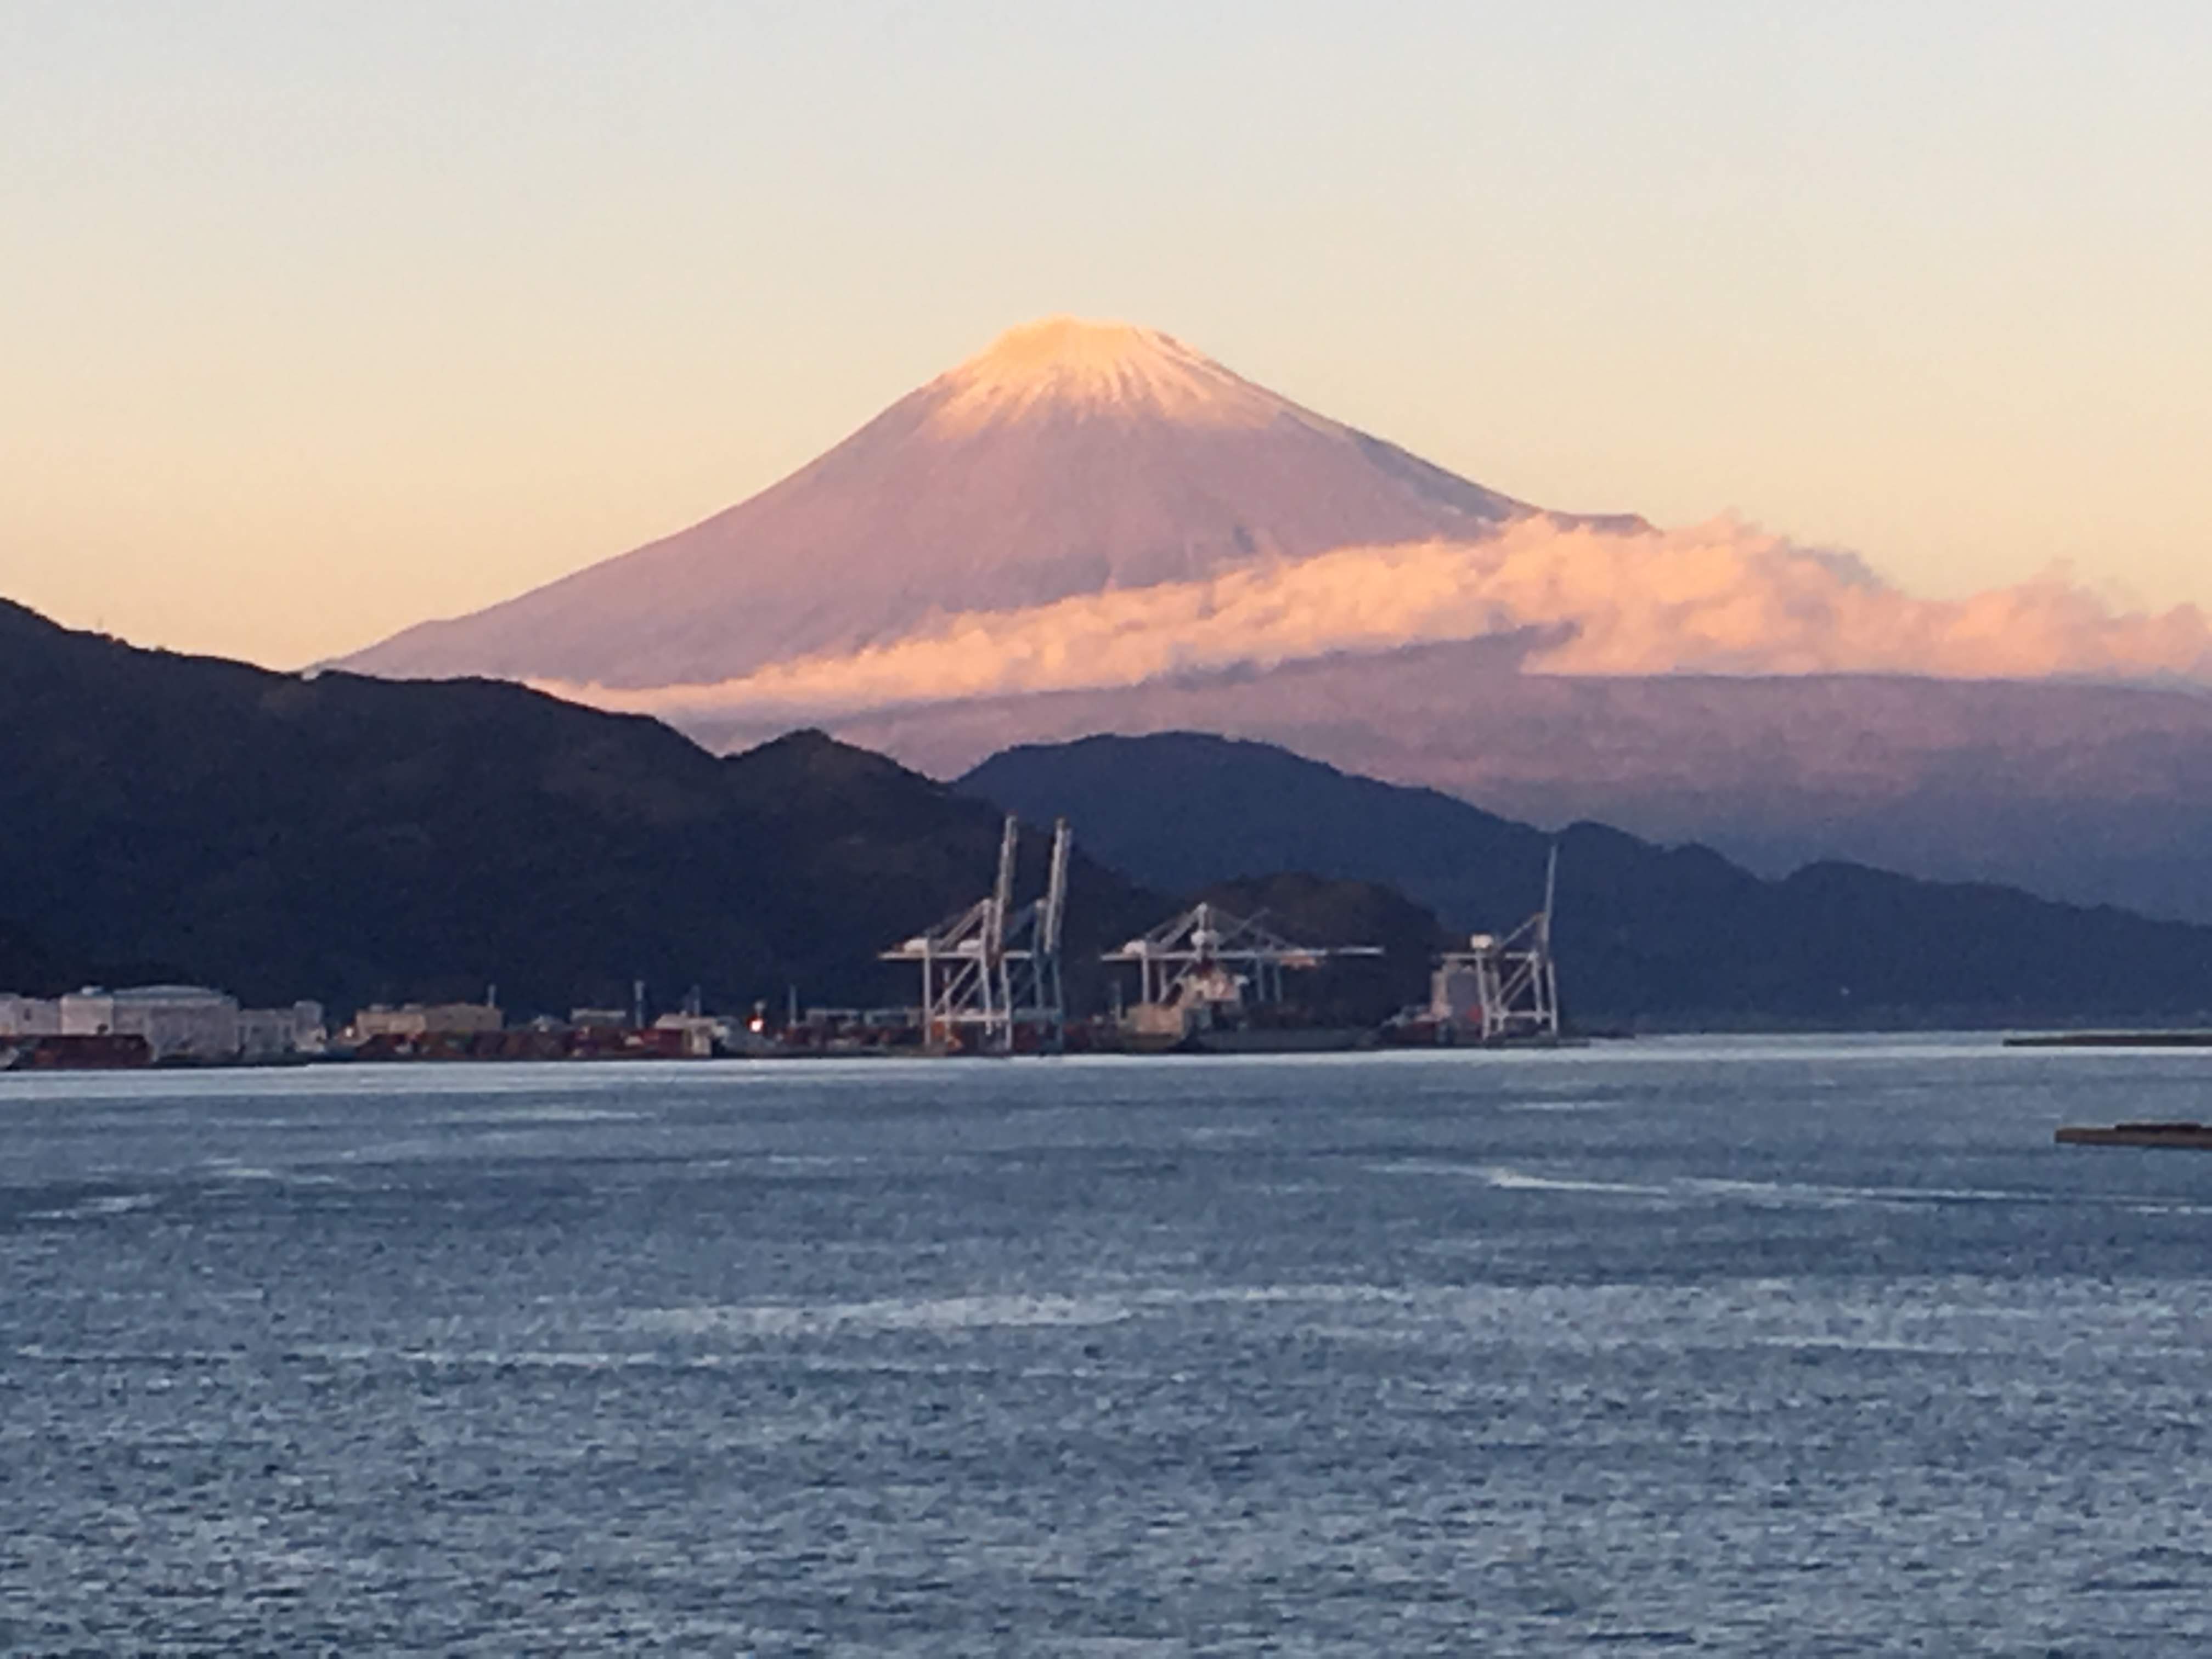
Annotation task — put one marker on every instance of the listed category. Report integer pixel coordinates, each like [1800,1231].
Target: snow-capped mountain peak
[1072,365]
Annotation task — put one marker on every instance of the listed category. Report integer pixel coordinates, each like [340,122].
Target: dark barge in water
[2188,1137]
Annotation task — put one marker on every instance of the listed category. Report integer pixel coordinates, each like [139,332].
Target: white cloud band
[1718,597]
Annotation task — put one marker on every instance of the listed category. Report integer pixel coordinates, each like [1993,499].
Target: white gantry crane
[1206,965]
[993,969]
[1503,988]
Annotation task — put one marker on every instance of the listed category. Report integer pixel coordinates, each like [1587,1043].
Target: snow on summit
[1067,363]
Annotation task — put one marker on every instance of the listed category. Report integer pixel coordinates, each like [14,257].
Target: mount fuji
[1069,460]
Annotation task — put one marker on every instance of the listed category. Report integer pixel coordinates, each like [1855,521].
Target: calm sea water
[1749,1348]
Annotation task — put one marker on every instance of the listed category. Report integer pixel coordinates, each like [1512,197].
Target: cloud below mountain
[1718,598]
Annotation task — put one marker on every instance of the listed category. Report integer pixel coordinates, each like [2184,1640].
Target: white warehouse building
[267,1033]
[178,1022]
[29,1016]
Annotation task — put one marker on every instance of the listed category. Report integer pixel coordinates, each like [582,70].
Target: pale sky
[317,319]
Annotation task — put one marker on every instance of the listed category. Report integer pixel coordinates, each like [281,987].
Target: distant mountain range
[2088,793]
[1644,932]
[1095,528]
[351,839]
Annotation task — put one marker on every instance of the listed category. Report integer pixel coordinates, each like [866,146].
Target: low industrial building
[416,1019]
[29,1016]
[698,1036]
[601,1019]
[274,1033]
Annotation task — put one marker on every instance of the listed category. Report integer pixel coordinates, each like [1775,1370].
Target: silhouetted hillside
[29,964]
[1643,931]
[353,839]
[2086,794]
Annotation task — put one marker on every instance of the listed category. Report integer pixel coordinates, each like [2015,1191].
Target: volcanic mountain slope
[1070,458]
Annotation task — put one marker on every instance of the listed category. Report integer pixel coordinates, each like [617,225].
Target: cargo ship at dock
[1211,983]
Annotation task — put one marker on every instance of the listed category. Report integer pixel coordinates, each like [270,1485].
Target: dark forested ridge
[1644,932]
[352,839]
